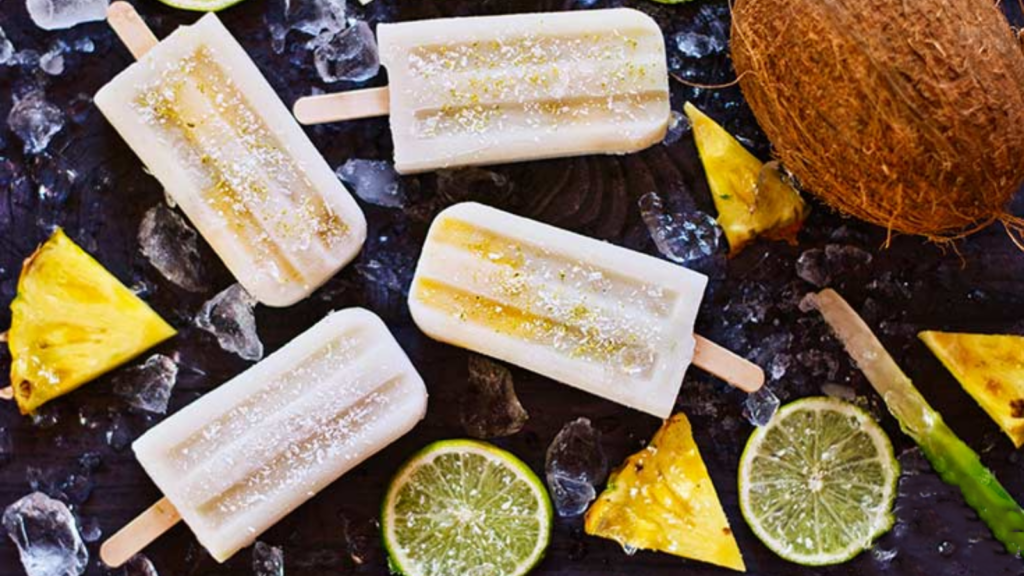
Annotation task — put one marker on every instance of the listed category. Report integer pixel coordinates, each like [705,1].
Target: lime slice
[467,508]
[817,483]
[201,5]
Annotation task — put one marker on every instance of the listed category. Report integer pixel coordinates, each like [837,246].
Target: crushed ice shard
[230,317]
[692,239]
[373,181]
[350,55]
[35,120]
[267,560]
[760,407]
[172,247]
[47,538]
[148,386]
[574,466]
[6,49]
[490,407]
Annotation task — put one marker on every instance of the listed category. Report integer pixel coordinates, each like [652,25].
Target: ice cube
[834,263]
[47,538]
[373,181]
[692,239]
[574,465]
[90,529]
[490,407]
[696,45]
[148,386]
[139,565]
[58,14]
[267,560]
[677,127]
[349,55]
[707,34]
[6,49]
[35,120]
[172,247]
[54,180]
[230,317]
[52,61]
[311,17]
[759,407]
[85,45]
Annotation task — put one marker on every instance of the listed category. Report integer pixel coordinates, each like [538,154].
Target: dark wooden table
[751,306]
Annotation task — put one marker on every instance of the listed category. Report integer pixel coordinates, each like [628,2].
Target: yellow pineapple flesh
[662,498]
[990,367]
[752,199]
[71,322]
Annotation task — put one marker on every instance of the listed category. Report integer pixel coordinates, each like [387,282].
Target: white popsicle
[492,89]
[207,124]
[243,456]
[608,320]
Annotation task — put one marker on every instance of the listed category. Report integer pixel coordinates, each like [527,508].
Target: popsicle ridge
[254,186]
[275,393]
[509,88]
[211,129]
[249,452]
[618,321]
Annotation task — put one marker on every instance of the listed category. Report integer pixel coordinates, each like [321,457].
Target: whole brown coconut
[908,114]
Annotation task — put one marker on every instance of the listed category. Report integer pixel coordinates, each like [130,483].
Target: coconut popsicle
[243,456]
[602,318]
[210,128]
[492,89]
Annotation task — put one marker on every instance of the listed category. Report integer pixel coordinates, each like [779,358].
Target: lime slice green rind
[465,507]
[201,5]
[817,485]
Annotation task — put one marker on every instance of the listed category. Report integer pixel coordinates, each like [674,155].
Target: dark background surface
[751,307]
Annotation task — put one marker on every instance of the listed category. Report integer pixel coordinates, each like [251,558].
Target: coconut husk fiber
[908,114]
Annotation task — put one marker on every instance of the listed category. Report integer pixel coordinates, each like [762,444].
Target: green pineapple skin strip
[956,463]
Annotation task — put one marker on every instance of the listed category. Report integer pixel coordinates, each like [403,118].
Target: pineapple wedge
[990,367]
[71,322]
[662,498]
[752,199]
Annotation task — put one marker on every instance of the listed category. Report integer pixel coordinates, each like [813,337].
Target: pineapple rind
[71,322]
[990,367]
[662,498]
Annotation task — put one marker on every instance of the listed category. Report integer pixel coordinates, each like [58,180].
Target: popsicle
[243,456]
[602,318]
[492,89]
[207,124]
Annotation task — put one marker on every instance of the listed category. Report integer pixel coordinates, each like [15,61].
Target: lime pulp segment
[817,484]
[468,508]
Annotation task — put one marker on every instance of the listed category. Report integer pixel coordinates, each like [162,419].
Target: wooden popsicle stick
[352,105]
[139,533]
[131,29]
[736,370]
